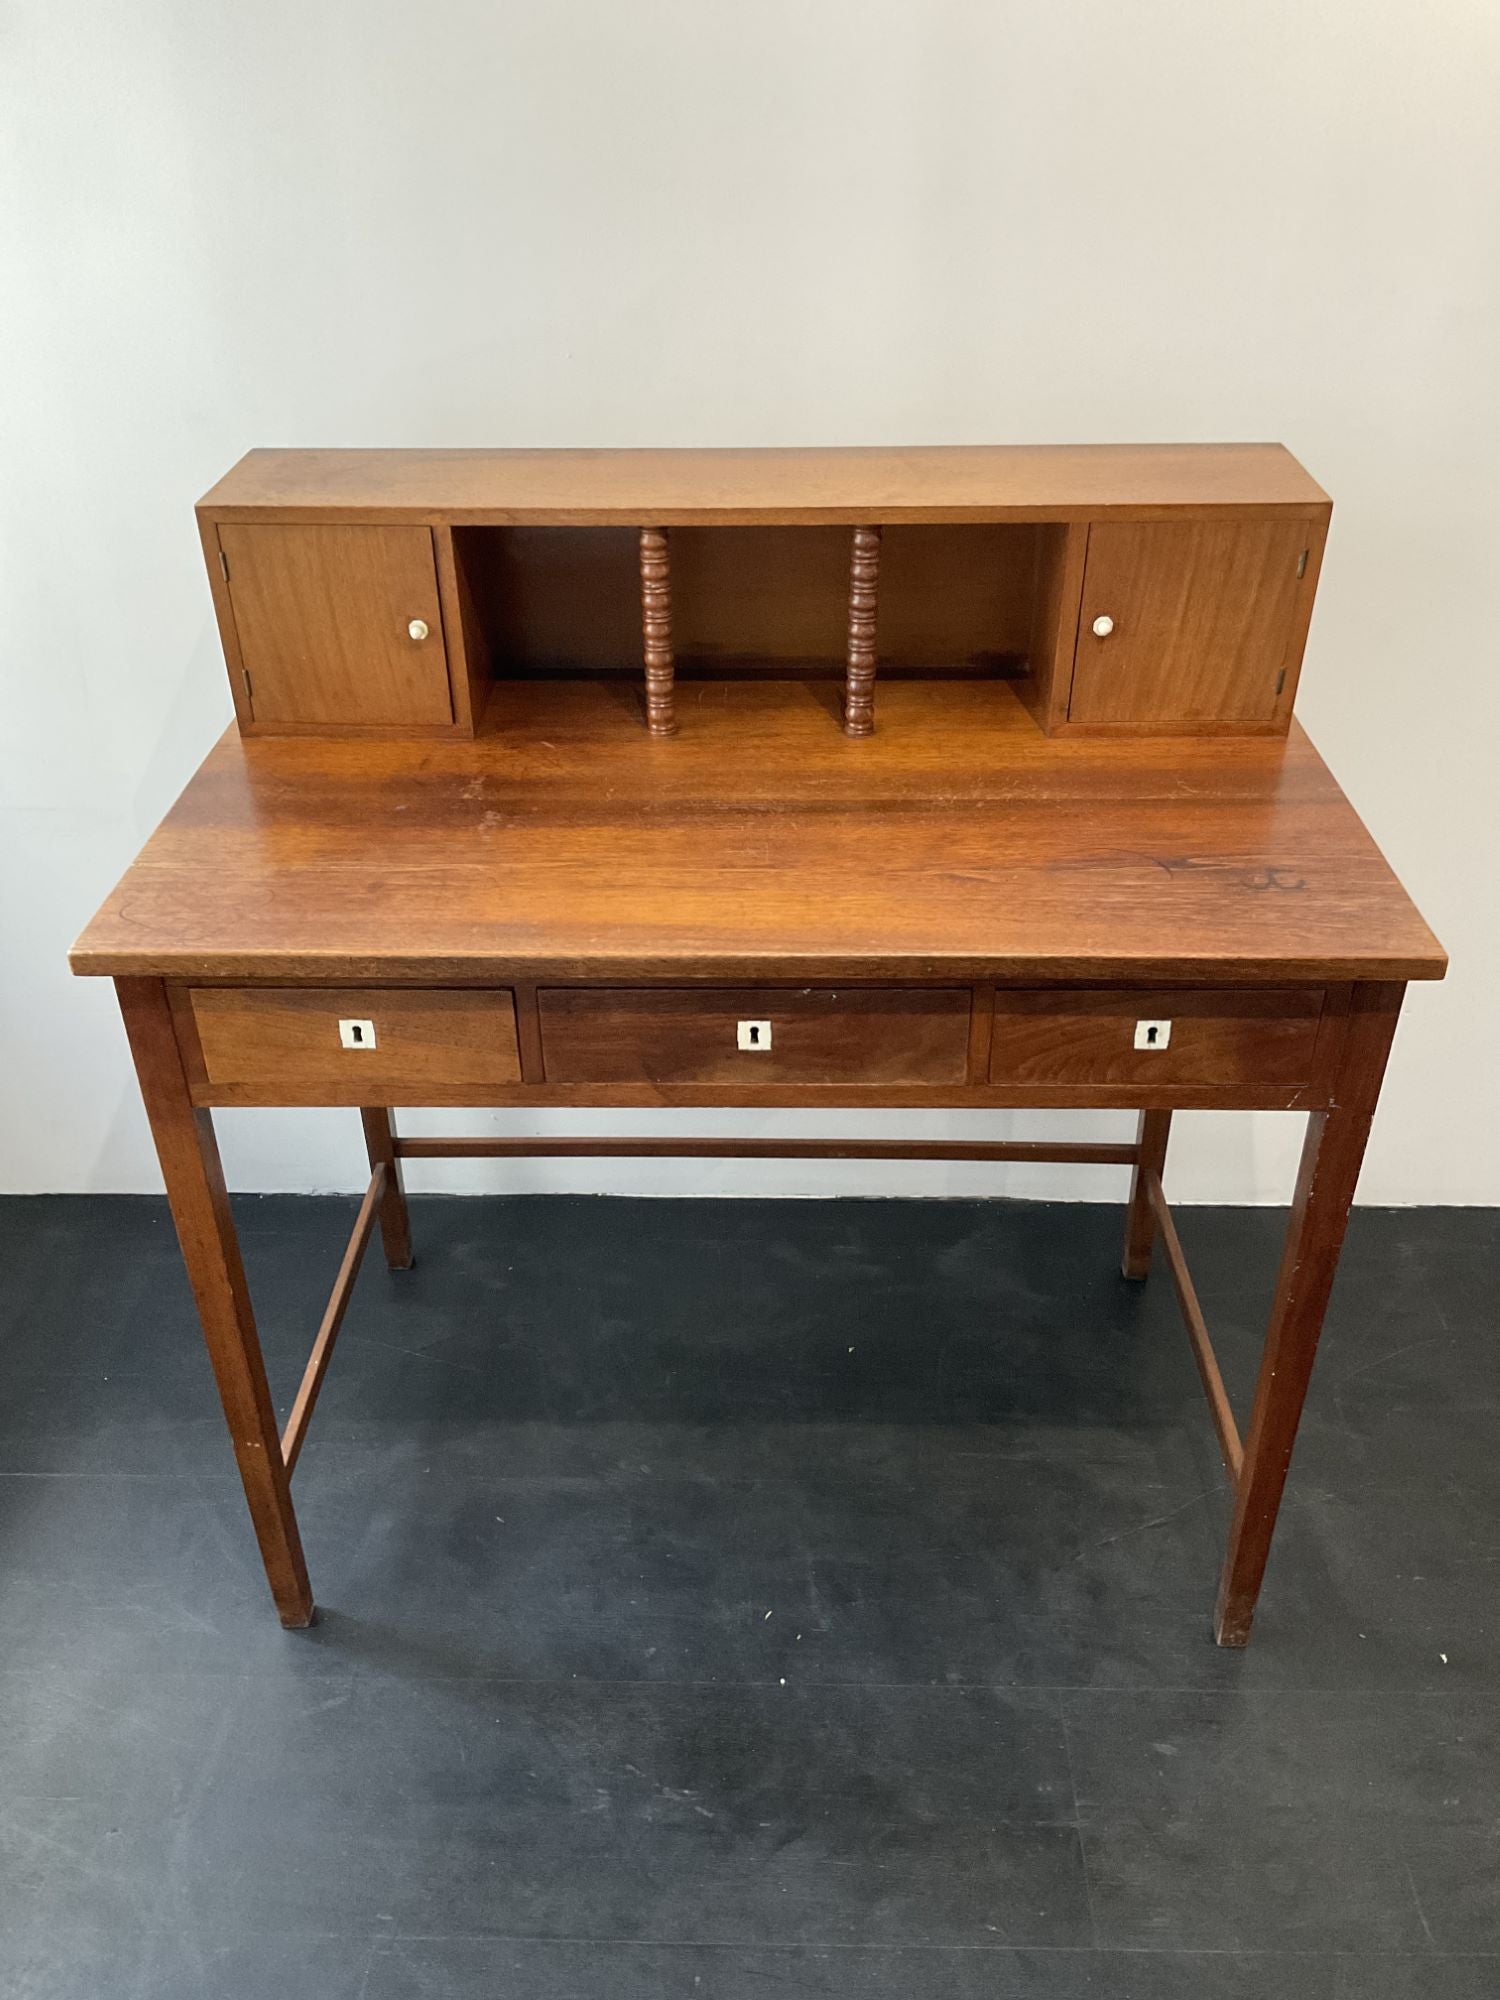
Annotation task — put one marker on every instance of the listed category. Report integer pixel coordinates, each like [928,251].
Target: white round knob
[1103,627]
[417,629]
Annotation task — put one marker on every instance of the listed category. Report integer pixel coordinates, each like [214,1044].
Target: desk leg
[189,1157]
[1331,1156]
[1140,1218]
[395,1219]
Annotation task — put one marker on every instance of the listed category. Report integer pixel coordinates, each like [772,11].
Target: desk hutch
[907,778]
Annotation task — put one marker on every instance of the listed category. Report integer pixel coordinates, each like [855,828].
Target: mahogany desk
[960,910]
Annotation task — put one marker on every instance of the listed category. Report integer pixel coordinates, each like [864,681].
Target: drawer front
[357,1043]
[755,1036]
[1052,1037]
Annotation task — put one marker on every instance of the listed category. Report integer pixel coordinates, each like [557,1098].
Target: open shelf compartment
[950,600]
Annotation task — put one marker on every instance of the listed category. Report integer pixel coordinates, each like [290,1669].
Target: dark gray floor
[735,1599]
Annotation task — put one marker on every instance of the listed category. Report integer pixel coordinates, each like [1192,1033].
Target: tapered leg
[1331,1156]
[189,1157]
[395,1221]
[1151,1137]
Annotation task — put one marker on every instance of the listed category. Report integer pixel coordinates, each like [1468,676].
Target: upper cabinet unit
[1159,588]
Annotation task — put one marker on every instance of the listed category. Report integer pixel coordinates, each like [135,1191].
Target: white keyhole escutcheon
[1152,1034]
[357,1034]
[753,1035]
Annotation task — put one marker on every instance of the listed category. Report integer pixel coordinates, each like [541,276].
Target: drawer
[355,1044]
[755,1036]
[1061,1036]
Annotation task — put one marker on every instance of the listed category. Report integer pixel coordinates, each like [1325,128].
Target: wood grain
[469,664]
[759,597]
[216,564]
[549,599]
[875,484]
[194,1179]
[665,1035]
[959,843]
[960,912]
[957,599]
[1329,1172]
[321,615]
[1262,1035]
[890,1094]
[1220,1409]
[288,1038]
[294,1435]
[1034,1152]
[1056,593]
[953,598]
[395,1218]
[1302,611]
[1204,617]
[1153,1133]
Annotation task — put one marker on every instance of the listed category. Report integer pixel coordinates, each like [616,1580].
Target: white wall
[709,222]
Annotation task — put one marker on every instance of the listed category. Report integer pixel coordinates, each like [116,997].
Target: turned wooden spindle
[864,587]
[656,628]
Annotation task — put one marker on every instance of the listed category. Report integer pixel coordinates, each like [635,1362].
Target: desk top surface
[866,483]
[564,843]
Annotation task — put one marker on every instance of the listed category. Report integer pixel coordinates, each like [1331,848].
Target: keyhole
[1151,1034]
[755,1037]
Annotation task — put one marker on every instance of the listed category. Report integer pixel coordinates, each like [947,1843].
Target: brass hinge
[224,565]
[1301,564]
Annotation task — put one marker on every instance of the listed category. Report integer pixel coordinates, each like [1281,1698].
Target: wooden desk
[959,910]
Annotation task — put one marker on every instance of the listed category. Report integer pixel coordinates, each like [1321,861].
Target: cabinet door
[338,625]
[1189,621]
